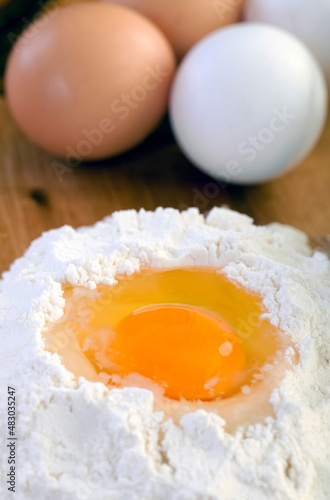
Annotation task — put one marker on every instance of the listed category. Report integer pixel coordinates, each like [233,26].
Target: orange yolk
[188,351]
[191,331]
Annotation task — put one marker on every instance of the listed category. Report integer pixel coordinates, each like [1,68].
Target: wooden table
[35,198]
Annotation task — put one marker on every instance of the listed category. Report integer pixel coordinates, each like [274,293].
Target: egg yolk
[191,332]
[190,352]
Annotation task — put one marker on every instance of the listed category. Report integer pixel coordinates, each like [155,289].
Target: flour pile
[78,440]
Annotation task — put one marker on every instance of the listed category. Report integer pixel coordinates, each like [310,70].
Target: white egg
[248,103]
[308,20]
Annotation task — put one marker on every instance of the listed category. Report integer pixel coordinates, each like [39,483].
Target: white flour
[80,441]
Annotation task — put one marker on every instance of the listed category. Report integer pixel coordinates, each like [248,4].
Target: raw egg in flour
[185,22]
[191,333]
[90,81]
[180,347]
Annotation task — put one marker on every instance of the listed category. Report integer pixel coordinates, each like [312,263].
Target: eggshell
[185,22]
[89,80]
[306,19]
[248,103]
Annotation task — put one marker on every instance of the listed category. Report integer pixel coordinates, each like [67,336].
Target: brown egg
[89,80]
[185,22]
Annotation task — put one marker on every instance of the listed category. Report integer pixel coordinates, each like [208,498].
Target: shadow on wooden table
[39,192]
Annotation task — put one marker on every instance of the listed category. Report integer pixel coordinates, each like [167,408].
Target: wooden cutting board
[37,194]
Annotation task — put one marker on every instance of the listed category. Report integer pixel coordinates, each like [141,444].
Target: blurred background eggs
[308,20]
[91,81]
[185,22]
[248,102]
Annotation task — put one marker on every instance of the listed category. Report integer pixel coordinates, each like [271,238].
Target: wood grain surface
[37,194]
